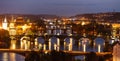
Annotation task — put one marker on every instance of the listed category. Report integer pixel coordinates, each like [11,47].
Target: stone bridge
[72,53]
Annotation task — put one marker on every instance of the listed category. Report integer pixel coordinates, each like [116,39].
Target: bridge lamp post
[55,47]
[21,44]
[79,45]
[36,43]
[99,48]
[40,46]
[58,44]
[49,44]
[25,44]
[70,47]
[84,47]
[64,45]
[28,42]
[71,43]
[44,47]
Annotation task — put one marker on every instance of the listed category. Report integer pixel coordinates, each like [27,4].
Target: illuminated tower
[12,29]
[4,24]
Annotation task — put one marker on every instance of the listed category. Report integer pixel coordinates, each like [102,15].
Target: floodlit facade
[5,24]
[116,52]
[15,26]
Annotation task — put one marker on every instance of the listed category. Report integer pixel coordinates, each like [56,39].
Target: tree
[4,38]
[91,57]
[33,56]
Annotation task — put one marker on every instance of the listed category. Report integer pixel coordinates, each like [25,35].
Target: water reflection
[5,57]
[69,44]
[11,57]
[13,44]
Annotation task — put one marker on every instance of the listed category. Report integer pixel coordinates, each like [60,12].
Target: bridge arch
[25,42]
[54,42]
[25,37]
[84,44]
[99,44]
[84,40]
[54,39]
[39,42]
[70,43]
[99,41]
[69,40]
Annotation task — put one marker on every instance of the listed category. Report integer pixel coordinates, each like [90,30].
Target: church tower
[12,29]
[5,24]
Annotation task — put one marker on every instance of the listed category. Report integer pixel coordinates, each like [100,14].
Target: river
[11,57]
[17,57]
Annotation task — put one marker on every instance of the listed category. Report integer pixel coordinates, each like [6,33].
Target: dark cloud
[59,7]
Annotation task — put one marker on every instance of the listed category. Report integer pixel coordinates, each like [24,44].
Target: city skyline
[58,7]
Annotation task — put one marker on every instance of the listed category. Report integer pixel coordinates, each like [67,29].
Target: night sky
[58,7]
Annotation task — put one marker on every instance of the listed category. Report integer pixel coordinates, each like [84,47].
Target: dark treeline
[93,57]
[4,39]
[62,56]
[52,56]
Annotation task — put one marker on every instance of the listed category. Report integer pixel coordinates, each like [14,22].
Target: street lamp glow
[83,23]
[24,27]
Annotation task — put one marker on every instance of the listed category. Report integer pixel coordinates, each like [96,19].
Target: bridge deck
[74,53]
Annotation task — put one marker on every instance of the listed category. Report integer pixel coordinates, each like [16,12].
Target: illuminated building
[116,52]
[19,25]
[115,26]
[15,26]
[5,24]
[12,29]
[58,27]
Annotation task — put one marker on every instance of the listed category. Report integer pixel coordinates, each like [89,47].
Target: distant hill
[48,16]
[100,16]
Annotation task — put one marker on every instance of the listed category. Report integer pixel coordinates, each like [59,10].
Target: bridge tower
[12,29]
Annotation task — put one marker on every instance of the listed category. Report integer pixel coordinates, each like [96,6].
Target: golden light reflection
[70,47]
[64,45]
[58,44]
[71,43]
[40,46]
[49,44]
[44,47]
[13,44]
[84,47]
[12,57]
[21,44]
[28,44]
[55,46]
[99,48]
[5,56]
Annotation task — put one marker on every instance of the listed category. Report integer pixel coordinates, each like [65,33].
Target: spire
[14,20]
[4,24]
[5,20]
